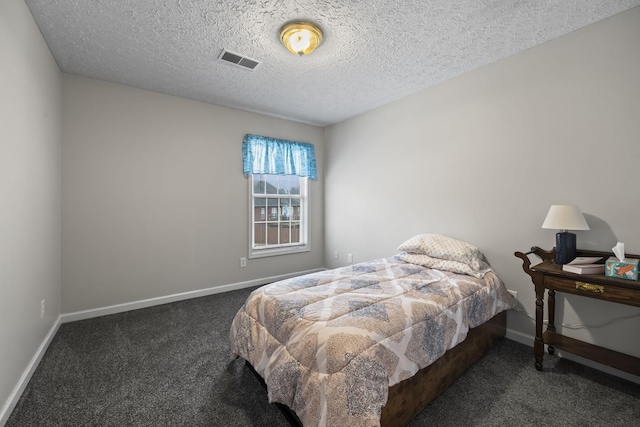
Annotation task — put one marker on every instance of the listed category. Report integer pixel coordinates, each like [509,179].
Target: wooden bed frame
[411,396]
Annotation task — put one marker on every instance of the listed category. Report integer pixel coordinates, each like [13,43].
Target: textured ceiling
[374,51]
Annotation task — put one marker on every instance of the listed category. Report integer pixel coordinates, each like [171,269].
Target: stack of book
[584,265]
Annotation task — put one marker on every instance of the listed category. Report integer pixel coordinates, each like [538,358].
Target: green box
[627,269]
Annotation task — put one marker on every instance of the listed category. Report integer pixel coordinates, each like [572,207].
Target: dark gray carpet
[170,366]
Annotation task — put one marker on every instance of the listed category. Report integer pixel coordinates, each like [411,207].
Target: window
[278,172]
[284,228]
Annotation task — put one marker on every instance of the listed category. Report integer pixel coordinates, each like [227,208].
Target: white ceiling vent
[239,60]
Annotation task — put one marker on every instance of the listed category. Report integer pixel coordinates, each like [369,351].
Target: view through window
[279,214]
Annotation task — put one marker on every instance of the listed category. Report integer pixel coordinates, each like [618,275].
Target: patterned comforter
[330,344]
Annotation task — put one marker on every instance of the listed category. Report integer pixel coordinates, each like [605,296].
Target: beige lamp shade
[565,217]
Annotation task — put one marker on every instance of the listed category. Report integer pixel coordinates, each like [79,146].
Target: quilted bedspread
[330,344]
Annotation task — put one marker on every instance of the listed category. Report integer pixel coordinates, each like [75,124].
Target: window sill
[287,250]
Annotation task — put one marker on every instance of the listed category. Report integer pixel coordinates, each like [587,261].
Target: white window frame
[283,249]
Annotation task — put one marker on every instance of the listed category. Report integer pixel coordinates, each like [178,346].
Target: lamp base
[565,247]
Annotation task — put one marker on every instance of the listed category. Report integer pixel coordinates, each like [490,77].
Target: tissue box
[627,269]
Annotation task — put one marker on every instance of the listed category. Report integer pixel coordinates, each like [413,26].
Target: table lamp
[564,218]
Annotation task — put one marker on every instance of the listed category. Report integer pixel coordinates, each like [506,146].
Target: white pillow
[445,248]
[443,264]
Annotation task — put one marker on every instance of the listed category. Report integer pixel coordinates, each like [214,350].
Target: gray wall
[29,193]
[483,156]
[154,202]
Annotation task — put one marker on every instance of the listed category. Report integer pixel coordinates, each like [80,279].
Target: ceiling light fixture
[301,38]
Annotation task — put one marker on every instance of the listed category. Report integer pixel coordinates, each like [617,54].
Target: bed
[373,343]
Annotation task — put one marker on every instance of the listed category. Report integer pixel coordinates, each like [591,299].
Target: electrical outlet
[336,255]
[42,309]
[349,257]
[243,262]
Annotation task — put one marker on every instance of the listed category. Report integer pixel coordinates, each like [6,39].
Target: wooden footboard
[411,396]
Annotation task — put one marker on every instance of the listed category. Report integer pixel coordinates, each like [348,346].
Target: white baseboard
[12,401]
[520,337]
[120,308]
[529,339]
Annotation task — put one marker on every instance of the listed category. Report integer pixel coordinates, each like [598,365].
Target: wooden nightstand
[549,275]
